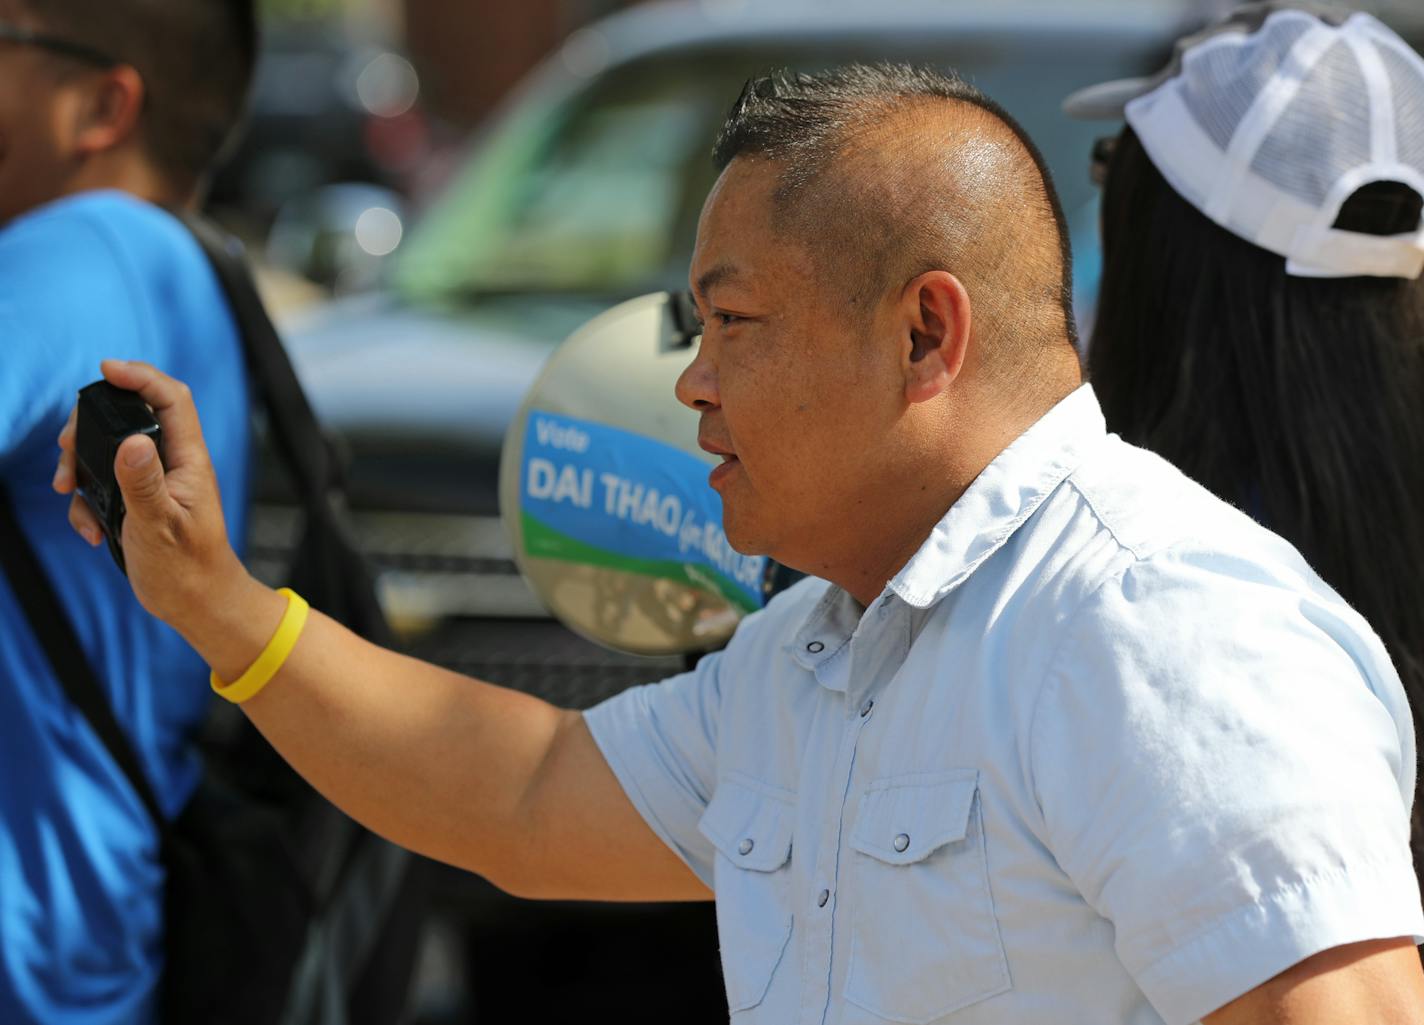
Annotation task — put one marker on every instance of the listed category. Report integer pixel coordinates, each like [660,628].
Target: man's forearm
[434,761]
[472,774]
[1374,982]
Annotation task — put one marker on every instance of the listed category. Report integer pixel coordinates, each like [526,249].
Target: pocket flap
[752,829]
[905,819]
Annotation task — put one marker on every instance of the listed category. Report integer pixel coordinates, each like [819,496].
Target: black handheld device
[107,415]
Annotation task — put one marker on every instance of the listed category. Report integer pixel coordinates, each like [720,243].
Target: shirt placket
[871,656]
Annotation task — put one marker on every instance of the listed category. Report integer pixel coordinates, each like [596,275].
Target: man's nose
[697,385]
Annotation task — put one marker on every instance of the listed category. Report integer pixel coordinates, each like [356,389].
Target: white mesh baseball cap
[1269,121]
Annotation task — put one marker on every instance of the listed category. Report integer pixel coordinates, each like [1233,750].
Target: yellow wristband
[260,673]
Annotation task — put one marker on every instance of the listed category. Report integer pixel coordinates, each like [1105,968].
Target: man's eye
[719,319]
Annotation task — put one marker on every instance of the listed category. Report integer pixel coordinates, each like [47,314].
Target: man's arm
[472,774]
[1373,983]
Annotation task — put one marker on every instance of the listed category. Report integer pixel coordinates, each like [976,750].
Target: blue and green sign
[607,497]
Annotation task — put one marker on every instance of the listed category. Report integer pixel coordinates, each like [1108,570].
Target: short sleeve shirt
[1105,751]
[94,276]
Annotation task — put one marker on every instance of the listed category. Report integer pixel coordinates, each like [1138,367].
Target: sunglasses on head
[1101,159]
[54,44]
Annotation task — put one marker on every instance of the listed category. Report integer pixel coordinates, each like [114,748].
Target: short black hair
[802,121]
[800,118]
[196,58]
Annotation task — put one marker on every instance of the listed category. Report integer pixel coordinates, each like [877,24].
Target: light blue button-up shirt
[1105,751]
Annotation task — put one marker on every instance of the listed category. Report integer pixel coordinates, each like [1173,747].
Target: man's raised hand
[175,542]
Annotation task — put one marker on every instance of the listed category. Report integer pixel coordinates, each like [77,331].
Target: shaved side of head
[888,171]
[196,57]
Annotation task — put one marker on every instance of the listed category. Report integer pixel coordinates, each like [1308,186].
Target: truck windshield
[586,197]
[599,195]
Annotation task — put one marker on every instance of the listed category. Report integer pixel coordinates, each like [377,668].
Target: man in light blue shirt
[1051,765]
[1056,738]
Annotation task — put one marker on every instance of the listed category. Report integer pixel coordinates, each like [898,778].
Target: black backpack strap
[330,572]
[371,875]
[53,629]
[293,426]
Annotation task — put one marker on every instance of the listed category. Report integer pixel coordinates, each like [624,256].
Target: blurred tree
[301,9]
[471,52]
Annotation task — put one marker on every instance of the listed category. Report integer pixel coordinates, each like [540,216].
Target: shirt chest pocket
[925,941]
[752,878]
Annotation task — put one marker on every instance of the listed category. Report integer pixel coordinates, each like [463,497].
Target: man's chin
[744,537]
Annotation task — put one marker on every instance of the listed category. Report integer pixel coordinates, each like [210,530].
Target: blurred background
[436,193]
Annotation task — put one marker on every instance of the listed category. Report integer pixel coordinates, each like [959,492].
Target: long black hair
[1299,400]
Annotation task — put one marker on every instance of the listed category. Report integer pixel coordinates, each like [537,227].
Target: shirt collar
[1007,493]
[1001,499]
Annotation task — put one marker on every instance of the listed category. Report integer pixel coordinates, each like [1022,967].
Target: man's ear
[935,314]
[108,115]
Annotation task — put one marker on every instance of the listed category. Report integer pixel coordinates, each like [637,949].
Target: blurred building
[470,53]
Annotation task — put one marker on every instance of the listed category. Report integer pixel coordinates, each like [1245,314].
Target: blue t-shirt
[90,277]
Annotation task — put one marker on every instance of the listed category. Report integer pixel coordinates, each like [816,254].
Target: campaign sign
[602,496]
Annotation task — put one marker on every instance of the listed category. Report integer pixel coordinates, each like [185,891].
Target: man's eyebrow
[713,277]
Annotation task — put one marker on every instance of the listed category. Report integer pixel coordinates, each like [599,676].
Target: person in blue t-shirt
[111,114]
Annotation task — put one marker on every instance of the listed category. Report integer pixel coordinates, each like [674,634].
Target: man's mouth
[715,449]
[729,465]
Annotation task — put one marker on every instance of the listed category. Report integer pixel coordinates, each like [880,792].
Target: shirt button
[815,647]
[902,842]
[823,898]
[745,847]
[866,708]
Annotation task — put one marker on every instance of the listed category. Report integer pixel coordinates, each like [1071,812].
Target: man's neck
[872,542]
[880,543]
[128,174]
[868,577]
